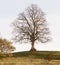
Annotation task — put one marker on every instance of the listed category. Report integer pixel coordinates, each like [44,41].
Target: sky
[9,10]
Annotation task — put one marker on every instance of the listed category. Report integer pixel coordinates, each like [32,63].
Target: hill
[32,56]
[38,54]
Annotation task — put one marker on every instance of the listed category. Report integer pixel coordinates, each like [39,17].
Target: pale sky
[9,10]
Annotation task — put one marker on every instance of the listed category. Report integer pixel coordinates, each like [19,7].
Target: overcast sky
[9,10]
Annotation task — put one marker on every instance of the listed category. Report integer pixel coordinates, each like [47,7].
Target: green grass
[33,57]
[38,54]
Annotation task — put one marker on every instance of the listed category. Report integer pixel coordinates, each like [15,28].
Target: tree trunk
[32,48]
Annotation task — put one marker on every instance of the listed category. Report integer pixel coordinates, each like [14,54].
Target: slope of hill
[38,54]
[33,56]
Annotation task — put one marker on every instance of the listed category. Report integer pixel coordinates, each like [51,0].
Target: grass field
[38,54]
[32,57]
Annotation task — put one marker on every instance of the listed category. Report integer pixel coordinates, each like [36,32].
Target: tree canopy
[31,26]
[6,46]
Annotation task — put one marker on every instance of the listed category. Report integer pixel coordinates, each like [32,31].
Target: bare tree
[31,26]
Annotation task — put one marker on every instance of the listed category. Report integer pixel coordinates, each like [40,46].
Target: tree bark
[32,48]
